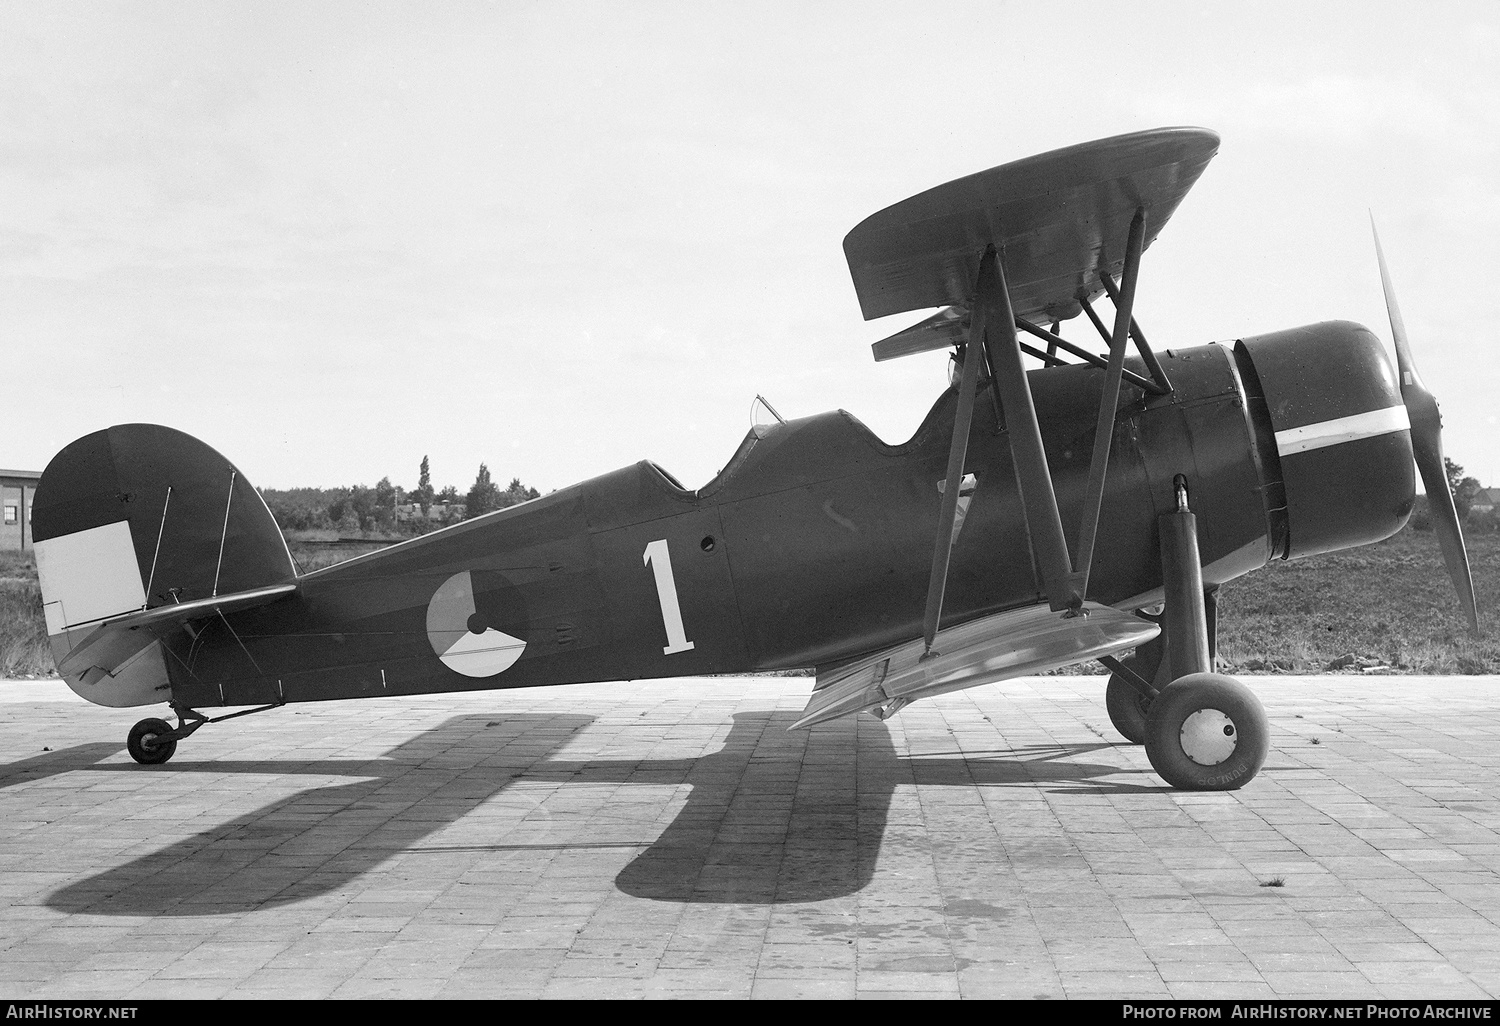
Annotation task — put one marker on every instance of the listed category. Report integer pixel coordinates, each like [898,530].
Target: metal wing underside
[998,647]
[1059,218]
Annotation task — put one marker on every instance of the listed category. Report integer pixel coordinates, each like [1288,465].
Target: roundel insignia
[463,637]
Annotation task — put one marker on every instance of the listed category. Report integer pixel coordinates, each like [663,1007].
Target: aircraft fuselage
[815,543]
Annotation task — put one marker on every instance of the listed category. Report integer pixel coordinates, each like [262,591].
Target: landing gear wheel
[143,745]
[1207,732]
[1127,707]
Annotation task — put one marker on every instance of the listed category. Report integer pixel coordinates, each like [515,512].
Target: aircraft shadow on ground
[779,817]
[771,817]
[63,760]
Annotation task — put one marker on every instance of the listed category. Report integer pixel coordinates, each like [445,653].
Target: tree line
[391,509]
[1465,491]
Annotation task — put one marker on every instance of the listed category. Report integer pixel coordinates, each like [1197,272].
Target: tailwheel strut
[1204,731]
[153,741]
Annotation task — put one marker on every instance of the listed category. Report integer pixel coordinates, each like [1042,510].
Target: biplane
[1083,508]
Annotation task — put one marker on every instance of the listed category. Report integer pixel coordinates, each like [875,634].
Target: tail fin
[139,516]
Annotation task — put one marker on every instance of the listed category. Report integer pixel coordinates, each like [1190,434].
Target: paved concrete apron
[673,839]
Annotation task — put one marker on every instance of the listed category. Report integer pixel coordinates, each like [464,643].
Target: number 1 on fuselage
[660,560]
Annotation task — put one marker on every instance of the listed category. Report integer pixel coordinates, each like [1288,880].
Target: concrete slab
[672,838]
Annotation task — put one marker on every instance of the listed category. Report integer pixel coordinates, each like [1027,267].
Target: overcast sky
[329,239]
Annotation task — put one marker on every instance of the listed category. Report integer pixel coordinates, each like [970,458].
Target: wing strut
[994,326]
[942,551]
[1159,384]
[1055,341]
[1142,346]
[1109,398]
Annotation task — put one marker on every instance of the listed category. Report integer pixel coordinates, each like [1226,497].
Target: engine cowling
[1333,434]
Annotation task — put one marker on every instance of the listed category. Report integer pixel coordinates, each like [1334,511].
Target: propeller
[1427,446]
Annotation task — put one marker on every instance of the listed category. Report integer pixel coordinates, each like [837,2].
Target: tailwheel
[1127,707]
[144,742]
[1207,732]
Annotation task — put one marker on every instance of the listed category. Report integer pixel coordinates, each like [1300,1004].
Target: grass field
[311,552]
[1390,603]
[1386,607]
[23,633]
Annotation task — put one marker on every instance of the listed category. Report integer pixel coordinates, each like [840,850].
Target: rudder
[138,516]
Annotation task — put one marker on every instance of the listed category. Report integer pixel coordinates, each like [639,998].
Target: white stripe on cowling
[1344,429]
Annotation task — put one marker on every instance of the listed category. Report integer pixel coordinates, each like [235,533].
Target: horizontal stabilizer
[998,647]
[117,641]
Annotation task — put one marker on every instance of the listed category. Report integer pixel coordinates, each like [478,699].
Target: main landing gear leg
[1204,731]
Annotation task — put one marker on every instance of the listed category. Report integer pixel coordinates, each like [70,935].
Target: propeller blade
[1404,363]
[1427,447]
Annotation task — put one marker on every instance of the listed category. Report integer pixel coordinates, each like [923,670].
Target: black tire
[1127,708]
[1207,732]
[143,746]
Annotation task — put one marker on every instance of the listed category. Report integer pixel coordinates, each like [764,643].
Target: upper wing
[998,647]
[1060,220]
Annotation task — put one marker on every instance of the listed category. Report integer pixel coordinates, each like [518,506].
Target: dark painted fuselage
[815,543]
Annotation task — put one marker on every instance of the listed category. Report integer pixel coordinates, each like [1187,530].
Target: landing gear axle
[1207,732]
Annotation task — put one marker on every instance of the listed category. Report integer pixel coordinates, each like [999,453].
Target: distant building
[17,489]
[1485,500]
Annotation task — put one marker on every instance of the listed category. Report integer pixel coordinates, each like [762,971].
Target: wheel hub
[1208,737]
